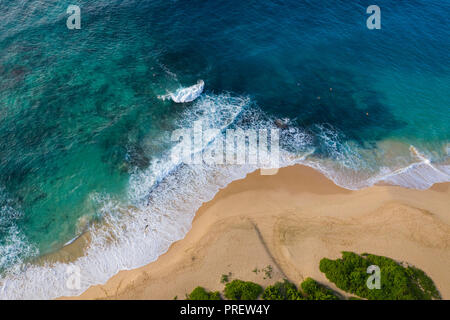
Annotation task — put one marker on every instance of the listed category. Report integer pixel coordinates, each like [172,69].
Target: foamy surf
[163,199]
[419,175]
[183,95]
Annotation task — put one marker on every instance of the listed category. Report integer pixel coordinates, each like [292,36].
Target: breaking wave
[163,199]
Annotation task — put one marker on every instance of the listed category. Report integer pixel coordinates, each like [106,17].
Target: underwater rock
[281,124]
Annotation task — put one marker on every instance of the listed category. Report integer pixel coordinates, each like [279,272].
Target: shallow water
[84,136]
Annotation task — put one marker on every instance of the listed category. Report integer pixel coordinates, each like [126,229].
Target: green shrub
[311,290]
[282,291]
[215,296]
[268,272]
[397,282]
[315,291]
[200,293]
[423,281]
[242,290]
[225,278]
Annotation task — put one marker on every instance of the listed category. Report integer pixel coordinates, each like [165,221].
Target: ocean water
[85,136]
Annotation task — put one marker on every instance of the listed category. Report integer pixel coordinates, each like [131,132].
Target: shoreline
[290,221]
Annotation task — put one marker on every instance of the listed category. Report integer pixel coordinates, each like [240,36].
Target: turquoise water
[84,136]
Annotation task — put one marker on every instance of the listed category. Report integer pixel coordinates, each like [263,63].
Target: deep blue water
[82,130]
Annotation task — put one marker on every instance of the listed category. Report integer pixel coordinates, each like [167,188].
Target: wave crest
[162,199]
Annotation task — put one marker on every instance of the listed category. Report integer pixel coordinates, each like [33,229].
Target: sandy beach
[290,221]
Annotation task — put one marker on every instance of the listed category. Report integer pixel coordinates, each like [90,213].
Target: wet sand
[290,221]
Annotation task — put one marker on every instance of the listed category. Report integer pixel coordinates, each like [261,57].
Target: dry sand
[290,221]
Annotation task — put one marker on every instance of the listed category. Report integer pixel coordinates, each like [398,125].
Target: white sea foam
[15,245]
[418,175]
[164,198]
[188,94]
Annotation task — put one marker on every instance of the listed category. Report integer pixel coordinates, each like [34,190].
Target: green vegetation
[225,278]
[242,290]
[311,290]
[282,291]
[348,273]
[397,282]
[423,281]
[246,290]
[315,291]
[268,272]
[200,293]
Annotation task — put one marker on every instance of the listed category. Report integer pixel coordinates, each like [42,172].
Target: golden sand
[290,221]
